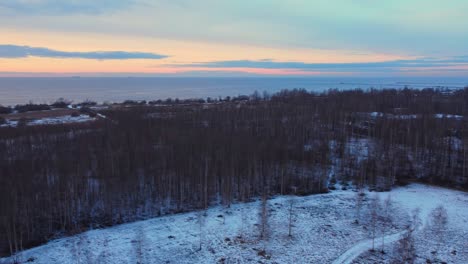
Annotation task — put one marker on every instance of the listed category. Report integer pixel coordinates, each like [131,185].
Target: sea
[15,90]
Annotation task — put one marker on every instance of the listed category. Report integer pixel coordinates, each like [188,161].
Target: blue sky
[260,37]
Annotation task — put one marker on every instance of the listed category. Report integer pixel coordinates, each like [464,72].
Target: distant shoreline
[19,90]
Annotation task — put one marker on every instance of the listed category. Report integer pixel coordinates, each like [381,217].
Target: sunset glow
[156,38]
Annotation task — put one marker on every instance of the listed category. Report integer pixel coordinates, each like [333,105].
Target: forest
[147,159]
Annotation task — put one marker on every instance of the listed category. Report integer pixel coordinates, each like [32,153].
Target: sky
[363,38]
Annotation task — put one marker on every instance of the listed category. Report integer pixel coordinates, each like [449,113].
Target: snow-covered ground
[414,116]
[324,228]
[51,120]
[61,120]
[448,246]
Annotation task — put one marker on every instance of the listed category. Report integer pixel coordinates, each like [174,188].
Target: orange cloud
[180,52]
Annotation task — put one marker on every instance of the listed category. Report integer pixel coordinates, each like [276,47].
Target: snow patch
[52,121]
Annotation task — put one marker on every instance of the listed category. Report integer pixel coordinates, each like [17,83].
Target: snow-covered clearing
[61,120]
[414,116]
[51,121]
[323,230]
[449,246]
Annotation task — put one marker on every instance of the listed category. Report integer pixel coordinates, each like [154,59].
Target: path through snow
[422,197]
[363,246]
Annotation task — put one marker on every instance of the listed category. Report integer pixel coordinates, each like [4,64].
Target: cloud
[63,7]
[391,27]
[14,51]
[356,66]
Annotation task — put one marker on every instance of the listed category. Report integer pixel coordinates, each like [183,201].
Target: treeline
[29,107]
[64,103]
[144,161]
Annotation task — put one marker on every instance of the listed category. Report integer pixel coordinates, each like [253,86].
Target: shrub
[2,120]
[87,103]
[31,107]
[22,122]
[133,102]
[156,102]
[61,103]
[5,110]
[85,110]
[88,111]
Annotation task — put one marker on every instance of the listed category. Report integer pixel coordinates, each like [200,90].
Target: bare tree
[374,217]
[438,220]
[139,246]
[386,218]
[102,258]
[201,215]
[359,202]
[291,206]
[416,221]
[405,250]
[291,214]
[263,218]
[243,223]
[80,250]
